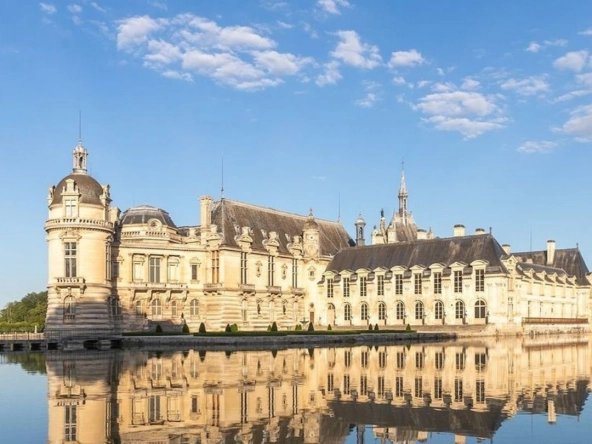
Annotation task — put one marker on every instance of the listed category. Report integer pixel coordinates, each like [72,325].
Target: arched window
[156,307]
[459,310]
[480,309]
[194,308]
[400,310]
[382,311]
[439,310]
[347,312]
[69,307]
[419,311]
[331,307]
[364,312]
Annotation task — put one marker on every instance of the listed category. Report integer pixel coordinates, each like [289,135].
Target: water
[508,391]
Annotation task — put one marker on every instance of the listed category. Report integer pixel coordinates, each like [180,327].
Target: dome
[143,214]
[360,220]
[90,190]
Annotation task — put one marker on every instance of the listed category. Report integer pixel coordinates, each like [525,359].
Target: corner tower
[80,297]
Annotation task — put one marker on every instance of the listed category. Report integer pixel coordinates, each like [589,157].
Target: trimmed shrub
[234,328]
[228,329]
[376,327]
[274,326]
[202,328]
[370,327]
[158,329]
[310,326]
[329,328]
[298,327]
[269,327]
[408,328]
[185,328]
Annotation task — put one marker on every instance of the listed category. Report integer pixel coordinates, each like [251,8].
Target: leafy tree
[31,310]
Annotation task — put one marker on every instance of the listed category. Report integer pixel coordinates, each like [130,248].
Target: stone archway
[331,315]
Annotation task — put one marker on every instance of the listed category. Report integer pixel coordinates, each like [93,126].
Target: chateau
[245,264]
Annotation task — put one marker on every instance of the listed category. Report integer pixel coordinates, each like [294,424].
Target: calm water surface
[506,391]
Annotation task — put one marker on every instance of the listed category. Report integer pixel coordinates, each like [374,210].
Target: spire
[403,192]
[79,159]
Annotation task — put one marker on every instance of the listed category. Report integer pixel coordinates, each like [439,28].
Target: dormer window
[70,210]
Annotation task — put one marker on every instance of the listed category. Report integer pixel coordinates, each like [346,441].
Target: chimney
[459,230]
[550,251]
[479,231]
[422,234]
[205,210]
[507,249]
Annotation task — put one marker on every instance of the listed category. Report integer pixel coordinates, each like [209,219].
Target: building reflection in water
[313,395]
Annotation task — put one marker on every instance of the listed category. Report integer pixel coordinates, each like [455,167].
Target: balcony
[297,291]
[71,282]
[274,289]
[77,221]
[213,288]
[247,288]
[163,286]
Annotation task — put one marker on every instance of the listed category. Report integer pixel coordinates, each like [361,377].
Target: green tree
[31,310]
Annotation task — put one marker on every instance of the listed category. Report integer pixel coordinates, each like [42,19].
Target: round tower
[79,236]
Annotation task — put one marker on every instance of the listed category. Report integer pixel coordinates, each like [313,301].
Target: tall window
[439,360]
[480,280]
[458,281]
[156,307]
[479,391]
[329,288]
[417,283]
[173,271]
[380,285]
[137,270]
[419,311]
[347,358]
[480,361]
[70,424]
[398,284]
[400,360]
[70,258]
[215,267]
[438,388]
[419,360]
[70,206]
[194,308]
[346,287]
[194,272]
[382,311]
[458,390]
[69,308]
[294,273]
[437,282]
[382,359]
[270,270]
[439,310]
[364,316]
[347,312]
[418,387]
[460,361]
[363,286]
[480,309]
[174,311]
[400,310]
[363,385]
[399,388]
[154,269]
[346,385]
[108,265]
[243,267]
[154,409]
[459,310]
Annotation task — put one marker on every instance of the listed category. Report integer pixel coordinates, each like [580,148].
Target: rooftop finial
[79,125]
[222,187]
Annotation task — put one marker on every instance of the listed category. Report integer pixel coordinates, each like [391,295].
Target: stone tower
[80,229]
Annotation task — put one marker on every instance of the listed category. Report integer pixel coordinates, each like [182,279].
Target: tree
[31,310]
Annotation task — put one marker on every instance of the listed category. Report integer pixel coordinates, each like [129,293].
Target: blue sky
[309,102]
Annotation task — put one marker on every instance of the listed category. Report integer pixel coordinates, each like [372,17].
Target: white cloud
[542,146]
[440,71]
[585,79]
[98,7]
[406,58]
[372,95]
[579,125]
[400,81]
[423,83]
[443,87]
[536,47]
[575,61]
[586,32]
[284,25]
[331,74]
[353,52]
[74,8]
[280,63]
[470,129]
[470,84]
[526,87]
[332,6]
[159,5]
[134,31]
[48,8]
[572,95]
[171,74]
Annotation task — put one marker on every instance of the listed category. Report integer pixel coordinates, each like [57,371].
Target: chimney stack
[205,210]
[507,249]
[480,231]
[422,234]
[459,230]
[550,251]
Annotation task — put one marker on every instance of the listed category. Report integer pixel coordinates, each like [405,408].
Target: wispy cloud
[586,32]
[406,59]
[351,51]
[579,125]
[532,147]
[330,75]
[372,90]
[333,6]
[574,61]
[74,8]
[48,8]
[528,86]
[536,47]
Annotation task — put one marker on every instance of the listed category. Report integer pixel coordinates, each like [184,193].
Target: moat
[506,390]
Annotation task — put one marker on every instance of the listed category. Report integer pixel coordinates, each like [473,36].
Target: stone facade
[111,271]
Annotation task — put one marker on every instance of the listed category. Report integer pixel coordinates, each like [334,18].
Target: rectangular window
[437,282]
[347,359]
[364,359]
[173,272]
[480,280]
[194,272]
[419,360]
[400,360]
[399,386]
[438,388]
[330,382]
[363,286]
[154,409]
[70,258]
[243,267]
[346,385]
[382,359]
[294,273]
[194,404]
[480,361]
[154,269]
[346,287]
[138,271]
[439,360]
[244,407]
[215,267]
[270,270]
[70,206]
[418,387]
[398,284]
[417,283]
[458,390]
[460,361]
[380,285]
[108,259]
[480,391]
[458,281]
[329,288]
[380,389]
[363,385]
[70,424]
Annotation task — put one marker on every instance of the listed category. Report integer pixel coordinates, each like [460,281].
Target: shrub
[376,327]
[408,328]
[228,329]
[274,326]
[310,326]
[298,327]
[202,328]
[185,328]
[329,328]
[234,328]
[158,329]
[370,327]
[269,327]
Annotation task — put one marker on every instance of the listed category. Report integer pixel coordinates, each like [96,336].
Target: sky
[306,104]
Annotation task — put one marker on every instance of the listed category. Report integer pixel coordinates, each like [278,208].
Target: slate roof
[423,252]
[569,259]
[230,216]
[143,213]
[90,190]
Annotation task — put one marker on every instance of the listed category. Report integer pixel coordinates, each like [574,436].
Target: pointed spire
[79,155]
[403,194]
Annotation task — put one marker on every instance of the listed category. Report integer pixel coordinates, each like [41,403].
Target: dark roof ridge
[273,210]
[518,253]
[427,240]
